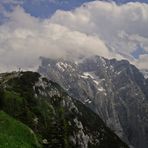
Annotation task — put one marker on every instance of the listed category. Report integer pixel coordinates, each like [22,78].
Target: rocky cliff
[115,90]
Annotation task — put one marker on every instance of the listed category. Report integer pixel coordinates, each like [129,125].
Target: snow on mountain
[116,90]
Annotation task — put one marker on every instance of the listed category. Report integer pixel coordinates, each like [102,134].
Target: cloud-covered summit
[97,27]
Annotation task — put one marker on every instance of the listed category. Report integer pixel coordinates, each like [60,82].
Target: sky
[45,8]
[72,29]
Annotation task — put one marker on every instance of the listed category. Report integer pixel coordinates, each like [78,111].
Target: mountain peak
[113,89]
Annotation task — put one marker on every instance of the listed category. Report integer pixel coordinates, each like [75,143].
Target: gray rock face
[145,73]
[115,90]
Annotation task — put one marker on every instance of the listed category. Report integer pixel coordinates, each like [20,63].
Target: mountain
[145,72]
[36,112]
[115,90]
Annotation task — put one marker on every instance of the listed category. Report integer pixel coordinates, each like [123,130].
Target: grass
[14,134]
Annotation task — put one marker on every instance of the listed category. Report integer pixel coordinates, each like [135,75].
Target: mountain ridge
[116,90]
[57,119]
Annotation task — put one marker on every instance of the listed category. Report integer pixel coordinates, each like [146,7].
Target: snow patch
[60,67]
[82,76]
[88,75]
[101,89]
[96,82]
[64,66]
[88,101]
[118,73]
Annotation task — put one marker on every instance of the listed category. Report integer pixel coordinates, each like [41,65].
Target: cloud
[142,62]
[23,39]
[102,28]
[123,28]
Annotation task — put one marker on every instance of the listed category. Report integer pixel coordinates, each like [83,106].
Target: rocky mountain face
[115,90]
[145,73]
[36,112]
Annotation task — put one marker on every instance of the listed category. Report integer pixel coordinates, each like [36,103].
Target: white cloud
[122,27]
[23,39]
[142,62]
[97,27]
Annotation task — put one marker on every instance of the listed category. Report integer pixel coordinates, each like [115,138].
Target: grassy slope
[14,134]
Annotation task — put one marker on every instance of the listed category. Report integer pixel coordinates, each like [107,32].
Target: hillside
[15,134]
[58,120]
